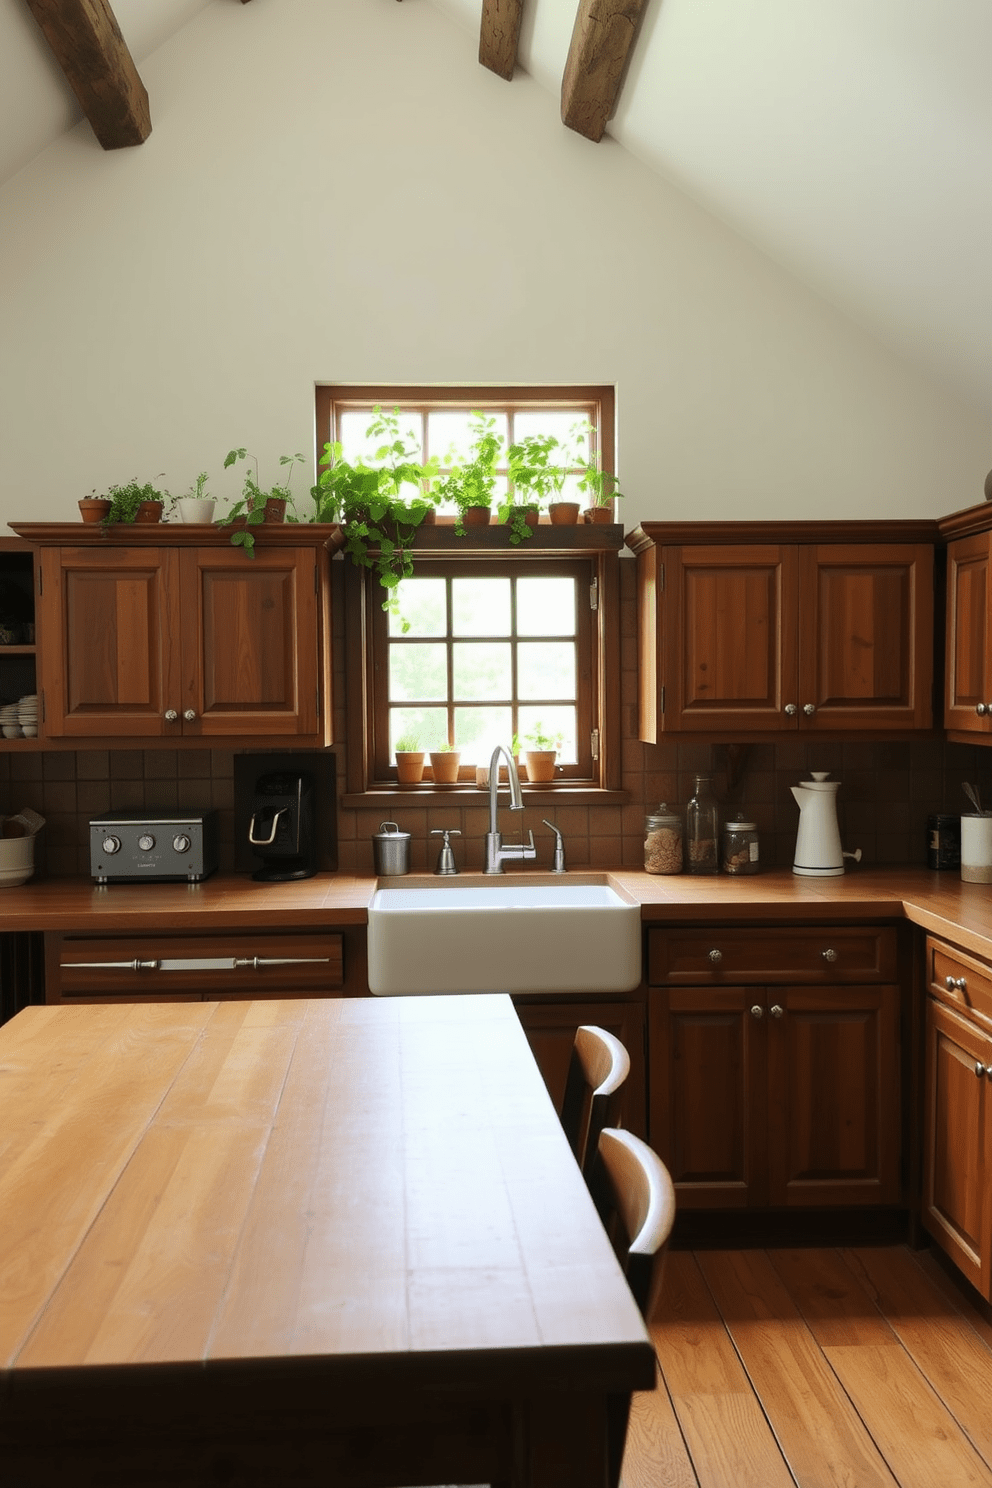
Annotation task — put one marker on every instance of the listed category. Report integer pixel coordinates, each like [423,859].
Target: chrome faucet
[496,853]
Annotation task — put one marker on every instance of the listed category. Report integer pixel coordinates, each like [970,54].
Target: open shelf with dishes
[18,669]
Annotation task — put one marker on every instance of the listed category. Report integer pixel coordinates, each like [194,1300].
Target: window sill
[428,794]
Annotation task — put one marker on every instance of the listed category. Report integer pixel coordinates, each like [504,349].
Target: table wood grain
[277,1239]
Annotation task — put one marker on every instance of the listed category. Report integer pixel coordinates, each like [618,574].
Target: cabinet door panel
[250,663]
[866,636]
[957,1149]
[708,1095]
[968,619]
[108,662]
[833,1070]
[730,637]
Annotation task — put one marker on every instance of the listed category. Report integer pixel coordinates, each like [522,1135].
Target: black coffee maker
[282,829]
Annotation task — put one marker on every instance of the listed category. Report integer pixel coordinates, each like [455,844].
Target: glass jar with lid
[740,847]
[702,828]
[663,841]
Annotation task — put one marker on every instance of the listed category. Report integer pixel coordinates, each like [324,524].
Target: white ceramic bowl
[16,860]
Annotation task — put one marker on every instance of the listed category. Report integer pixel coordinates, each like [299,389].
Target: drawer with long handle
[833,953]
[960,979]
[260,965]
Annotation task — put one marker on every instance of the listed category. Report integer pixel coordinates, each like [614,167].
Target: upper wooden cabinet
[769,628]
[968,656]
[181,637]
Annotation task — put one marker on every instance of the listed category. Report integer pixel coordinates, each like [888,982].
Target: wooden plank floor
[854,1368]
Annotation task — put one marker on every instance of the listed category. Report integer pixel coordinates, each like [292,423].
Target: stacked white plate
[27,715]
[10,724]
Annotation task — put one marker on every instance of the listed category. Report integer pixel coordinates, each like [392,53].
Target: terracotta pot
[149,511]
[429,518]
[530,514]
[94,508]
[540,763]
[409,766]
[601,514]
[476,516]
[444,763]
[564,513]
[275,509]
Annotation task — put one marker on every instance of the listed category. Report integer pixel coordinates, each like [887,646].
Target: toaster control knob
[146,842]
[181,843]
[111,844]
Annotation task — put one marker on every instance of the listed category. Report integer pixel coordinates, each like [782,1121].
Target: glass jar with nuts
[663,841]
[740,847]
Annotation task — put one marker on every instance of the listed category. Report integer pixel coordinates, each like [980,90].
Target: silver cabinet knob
[189,715]
[809,709]
[757,1011]
[980,1069]
[981,709]
[776,1011]
[791,710]
[949,983]
[171,715]
[830,955]
[956,984]
[716,957]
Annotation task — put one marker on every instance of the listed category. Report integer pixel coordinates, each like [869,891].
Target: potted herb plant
[256,505]
[195,505]
[409,758]
[135,502]
[445,760]
[601,489]
[471,485]
[381,505]
[540,752]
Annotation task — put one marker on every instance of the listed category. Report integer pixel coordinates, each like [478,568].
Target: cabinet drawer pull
[956,984]
[809,709]
[830,955]
[255,962]
[189,715]
[776,1011]
[108,965]
[171,715]
[981,709]
[791,710]
[716,957]
[757,1011]
[980,1069]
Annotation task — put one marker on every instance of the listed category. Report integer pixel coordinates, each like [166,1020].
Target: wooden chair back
[598,1067]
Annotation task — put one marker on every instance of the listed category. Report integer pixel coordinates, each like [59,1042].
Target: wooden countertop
[939,902]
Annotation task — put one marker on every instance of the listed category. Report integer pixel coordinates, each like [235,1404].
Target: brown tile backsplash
[887,790]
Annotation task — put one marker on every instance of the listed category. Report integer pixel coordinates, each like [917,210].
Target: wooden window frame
[368,775]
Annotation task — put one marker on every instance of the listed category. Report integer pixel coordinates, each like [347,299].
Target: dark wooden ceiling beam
[602,39]
[499,35]
[89,48]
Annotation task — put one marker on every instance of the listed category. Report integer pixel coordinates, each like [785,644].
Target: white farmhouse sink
[532,933]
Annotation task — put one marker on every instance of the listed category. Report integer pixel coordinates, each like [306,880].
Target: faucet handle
[446,862]
[559,863]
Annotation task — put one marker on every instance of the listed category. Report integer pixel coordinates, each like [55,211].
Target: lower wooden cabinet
[550,1028]
[957,1137]
[772,1093]
[193,968]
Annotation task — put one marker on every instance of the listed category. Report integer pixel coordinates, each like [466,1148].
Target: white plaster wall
[334,190]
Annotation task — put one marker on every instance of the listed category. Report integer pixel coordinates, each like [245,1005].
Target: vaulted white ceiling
[849,139]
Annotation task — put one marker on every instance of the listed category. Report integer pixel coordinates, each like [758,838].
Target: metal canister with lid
[391,850]
[740,847]
[663,841]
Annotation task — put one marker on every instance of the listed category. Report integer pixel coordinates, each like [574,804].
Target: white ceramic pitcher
[818,850]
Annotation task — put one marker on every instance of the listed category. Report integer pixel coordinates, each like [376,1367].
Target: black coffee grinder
[282,826]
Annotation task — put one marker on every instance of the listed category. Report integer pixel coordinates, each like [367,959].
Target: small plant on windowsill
[540,752]
[409,758]
[601,489]
[471,484]
[380,519]
[255,505]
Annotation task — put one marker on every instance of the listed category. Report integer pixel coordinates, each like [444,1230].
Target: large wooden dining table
[297,1242]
